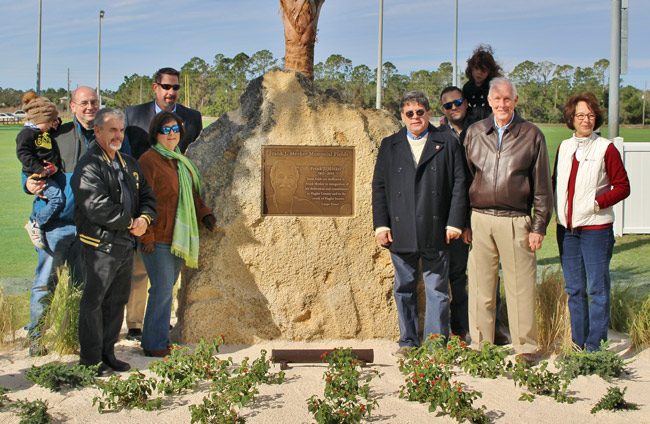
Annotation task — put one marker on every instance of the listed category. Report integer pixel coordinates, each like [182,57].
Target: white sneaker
[35,234]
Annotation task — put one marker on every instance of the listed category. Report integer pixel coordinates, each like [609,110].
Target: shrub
[134,392]
[60,324]
[552,313]
[56,376]
[640,327]
[32,412]
[347,396]
[540,381]
[605,363]
[613,401]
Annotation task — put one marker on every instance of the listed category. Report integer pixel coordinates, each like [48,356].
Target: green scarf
[185,240]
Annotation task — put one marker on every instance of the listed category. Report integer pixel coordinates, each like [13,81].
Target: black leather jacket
[99,213]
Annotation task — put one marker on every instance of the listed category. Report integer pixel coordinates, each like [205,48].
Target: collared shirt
[417,145]
[158,109]
[501,130]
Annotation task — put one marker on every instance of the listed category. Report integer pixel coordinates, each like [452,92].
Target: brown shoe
[530,359]
[157,353]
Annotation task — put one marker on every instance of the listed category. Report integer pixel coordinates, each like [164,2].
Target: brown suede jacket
[511,180]
[162,176]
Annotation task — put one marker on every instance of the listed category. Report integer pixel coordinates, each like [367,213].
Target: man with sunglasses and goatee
[419,205]
[166,86]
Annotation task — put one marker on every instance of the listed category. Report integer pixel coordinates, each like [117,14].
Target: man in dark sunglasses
[454,107]
[419,205]
[166,86]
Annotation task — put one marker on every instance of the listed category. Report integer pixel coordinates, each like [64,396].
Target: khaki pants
[138,296]
[503,238]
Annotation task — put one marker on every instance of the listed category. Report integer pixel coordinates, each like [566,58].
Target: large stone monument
[288,175]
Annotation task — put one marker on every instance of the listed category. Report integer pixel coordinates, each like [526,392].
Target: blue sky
[140,36]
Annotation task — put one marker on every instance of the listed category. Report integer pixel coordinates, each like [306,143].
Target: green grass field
[18,261]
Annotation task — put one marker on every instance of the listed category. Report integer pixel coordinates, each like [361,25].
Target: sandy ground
[286,403]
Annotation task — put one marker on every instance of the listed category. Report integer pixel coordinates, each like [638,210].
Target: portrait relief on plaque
[308,180]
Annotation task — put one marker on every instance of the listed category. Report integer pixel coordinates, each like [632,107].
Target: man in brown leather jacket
[512,200]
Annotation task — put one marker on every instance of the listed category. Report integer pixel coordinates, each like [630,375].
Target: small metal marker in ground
[306,356]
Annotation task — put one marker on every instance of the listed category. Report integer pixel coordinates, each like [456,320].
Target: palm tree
[300,18]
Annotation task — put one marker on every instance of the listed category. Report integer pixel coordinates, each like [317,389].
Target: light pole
[455,68]
[379,54]
[38,55]
[99,57]
[614,70]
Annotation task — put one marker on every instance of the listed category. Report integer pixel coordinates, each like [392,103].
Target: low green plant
[230,390]
[489,362]
[347,397]
[540,381]
[428,379]
[134,392]
[605,363]
[640,327]
[613,401]
[4,399]
[60,323]
[32,412]
[55,376]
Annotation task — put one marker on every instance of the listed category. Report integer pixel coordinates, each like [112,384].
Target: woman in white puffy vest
[589,179]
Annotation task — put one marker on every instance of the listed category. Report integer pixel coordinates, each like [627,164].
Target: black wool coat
[418,203]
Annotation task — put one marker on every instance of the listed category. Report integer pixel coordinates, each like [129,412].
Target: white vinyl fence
[633,214]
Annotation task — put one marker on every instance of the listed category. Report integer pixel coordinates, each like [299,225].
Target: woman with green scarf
[174,238]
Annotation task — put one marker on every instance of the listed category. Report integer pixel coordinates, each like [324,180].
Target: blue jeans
[52,205]
[585,256]
[163,268]
[62,246]
[435,273]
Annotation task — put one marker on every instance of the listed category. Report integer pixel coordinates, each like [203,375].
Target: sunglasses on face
[166,130]
[175,87]
[453,103]
[410,113]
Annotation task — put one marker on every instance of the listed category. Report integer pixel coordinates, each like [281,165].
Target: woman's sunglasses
[166,130]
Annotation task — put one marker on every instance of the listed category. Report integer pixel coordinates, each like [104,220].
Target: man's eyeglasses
[86,103]
[166,130]
[174,87]
[410,113]
[582,116]
[453,103]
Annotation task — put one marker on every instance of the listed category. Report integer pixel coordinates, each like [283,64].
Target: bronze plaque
[308,180]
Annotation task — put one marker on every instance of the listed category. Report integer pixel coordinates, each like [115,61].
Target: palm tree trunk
[300,18]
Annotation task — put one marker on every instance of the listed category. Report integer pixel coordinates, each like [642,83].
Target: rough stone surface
[296,278]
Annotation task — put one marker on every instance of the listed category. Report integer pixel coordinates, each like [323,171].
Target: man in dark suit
[165,87]
[419,204]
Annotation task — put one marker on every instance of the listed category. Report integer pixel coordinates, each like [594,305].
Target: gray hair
[414,97]
[494,82]
[107,113]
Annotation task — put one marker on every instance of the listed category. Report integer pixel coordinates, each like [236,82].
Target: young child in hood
[41,160]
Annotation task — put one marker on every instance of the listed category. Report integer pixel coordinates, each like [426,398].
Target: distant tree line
[214,88]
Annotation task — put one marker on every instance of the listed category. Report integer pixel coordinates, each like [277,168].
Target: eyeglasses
[174,87]
[410,113]
[87,103]
[582,116]
[166,130]
[453,103]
